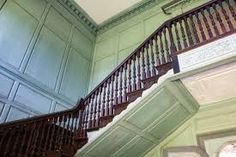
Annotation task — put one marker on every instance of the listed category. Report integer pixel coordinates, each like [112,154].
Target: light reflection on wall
[228,150]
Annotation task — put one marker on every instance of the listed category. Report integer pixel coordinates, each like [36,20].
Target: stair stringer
[124,124]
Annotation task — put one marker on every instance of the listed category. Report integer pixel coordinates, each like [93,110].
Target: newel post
[173,50]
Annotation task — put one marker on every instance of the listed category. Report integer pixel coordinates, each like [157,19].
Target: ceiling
[101,10]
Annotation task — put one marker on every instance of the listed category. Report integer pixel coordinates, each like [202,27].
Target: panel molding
[185,149]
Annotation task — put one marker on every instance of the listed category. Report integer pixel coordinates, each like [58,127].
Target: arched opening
[228,150]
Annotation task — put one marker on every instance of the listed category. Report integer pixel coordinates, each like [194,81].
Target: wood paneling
[36,37]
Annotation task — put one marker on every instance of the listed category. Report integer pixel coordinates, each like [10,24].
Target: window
[228,150]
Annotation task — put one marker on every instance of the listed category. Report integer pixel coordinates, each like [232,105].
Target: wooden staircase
[61,134]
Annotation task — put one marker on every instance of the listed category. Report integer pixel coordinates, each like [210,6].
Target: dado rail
[63,133]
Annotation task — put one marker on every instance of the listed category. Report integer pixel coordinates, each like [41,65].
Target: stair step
[164,68]
[120,107]
[105,120]
[148,82]
[132,96]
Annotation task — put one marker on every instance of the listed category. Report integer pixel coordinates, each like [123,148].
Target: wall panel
[13,43]
[45,61]
[45,58]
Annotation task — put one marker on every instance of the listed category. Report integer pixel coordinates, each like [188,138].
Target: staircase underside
[146,122]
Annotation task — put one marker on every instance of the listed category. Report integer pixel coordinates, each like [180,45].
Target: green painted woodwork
[119,41]
[45,58]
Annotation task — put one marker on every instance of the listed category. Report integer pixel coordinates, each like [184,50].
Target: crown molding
[81,15]
[127,14]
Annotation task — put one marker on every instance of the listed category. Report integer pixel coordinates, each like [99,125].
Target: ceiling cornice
[82,16]
[127,14]
[119,18]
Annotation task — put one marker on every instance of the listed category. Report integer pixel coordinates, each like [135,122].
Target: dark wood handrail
[67,130]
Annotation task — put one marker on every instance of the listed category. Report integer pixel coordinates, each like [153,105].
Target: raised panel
[32,99]
[82,44]
[58,24]
[170,122]
[15,114]
[135,148]
[124,53]
[35,7]
[155,107]
[114,141]
[75,80]
[5,84]
[131,36]
[16,30]
[45,61]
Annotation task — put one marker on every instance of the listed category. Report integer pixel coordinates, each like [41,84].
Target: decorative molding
[185,149]
[82,16]
[94,28]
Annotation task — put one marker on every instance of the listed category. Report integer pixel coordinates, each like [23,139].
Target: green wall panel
[45,62]
[58,24]
[34,7]
[76,76]
[38,72]
[82,44]
[32,99]
[13,43]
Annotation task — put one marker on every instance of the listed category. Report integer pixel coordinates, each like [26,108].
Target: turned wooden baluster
[58,134]
[116,87]
[208,28]
[16,141]
[158,60]
[71,128]
[162,49]
[194,29]
[125,83]
[112,95]
[104,99]
[231,28]
[95,116]
[91,104]
[23,141]
[148,74]
[129,77]
[29,140]
[9,139]
[139,71]
[134,73]
[52,133]
[35,138]
[200,26]
[213,21]
[108,97]
[183,34]
[144,76]
[189,34]
[177,36]
[233,13]
[121,85]
[218,17]
[87,104]
[167,54]
[99,102]
[152,58]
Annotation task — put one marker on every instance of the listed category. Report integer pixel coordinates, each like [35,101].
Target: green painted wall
[210,118]
[118,42]
[45,58]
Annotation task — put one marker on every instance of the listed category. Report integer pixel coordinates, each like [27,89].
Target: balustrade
[65,132]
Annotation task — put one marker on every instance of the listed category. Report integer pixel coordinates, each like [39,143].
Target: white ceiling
[101,10]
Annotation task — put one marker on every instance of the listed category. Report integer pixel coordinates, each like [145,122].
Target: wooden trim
[213,135]
[194,149]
